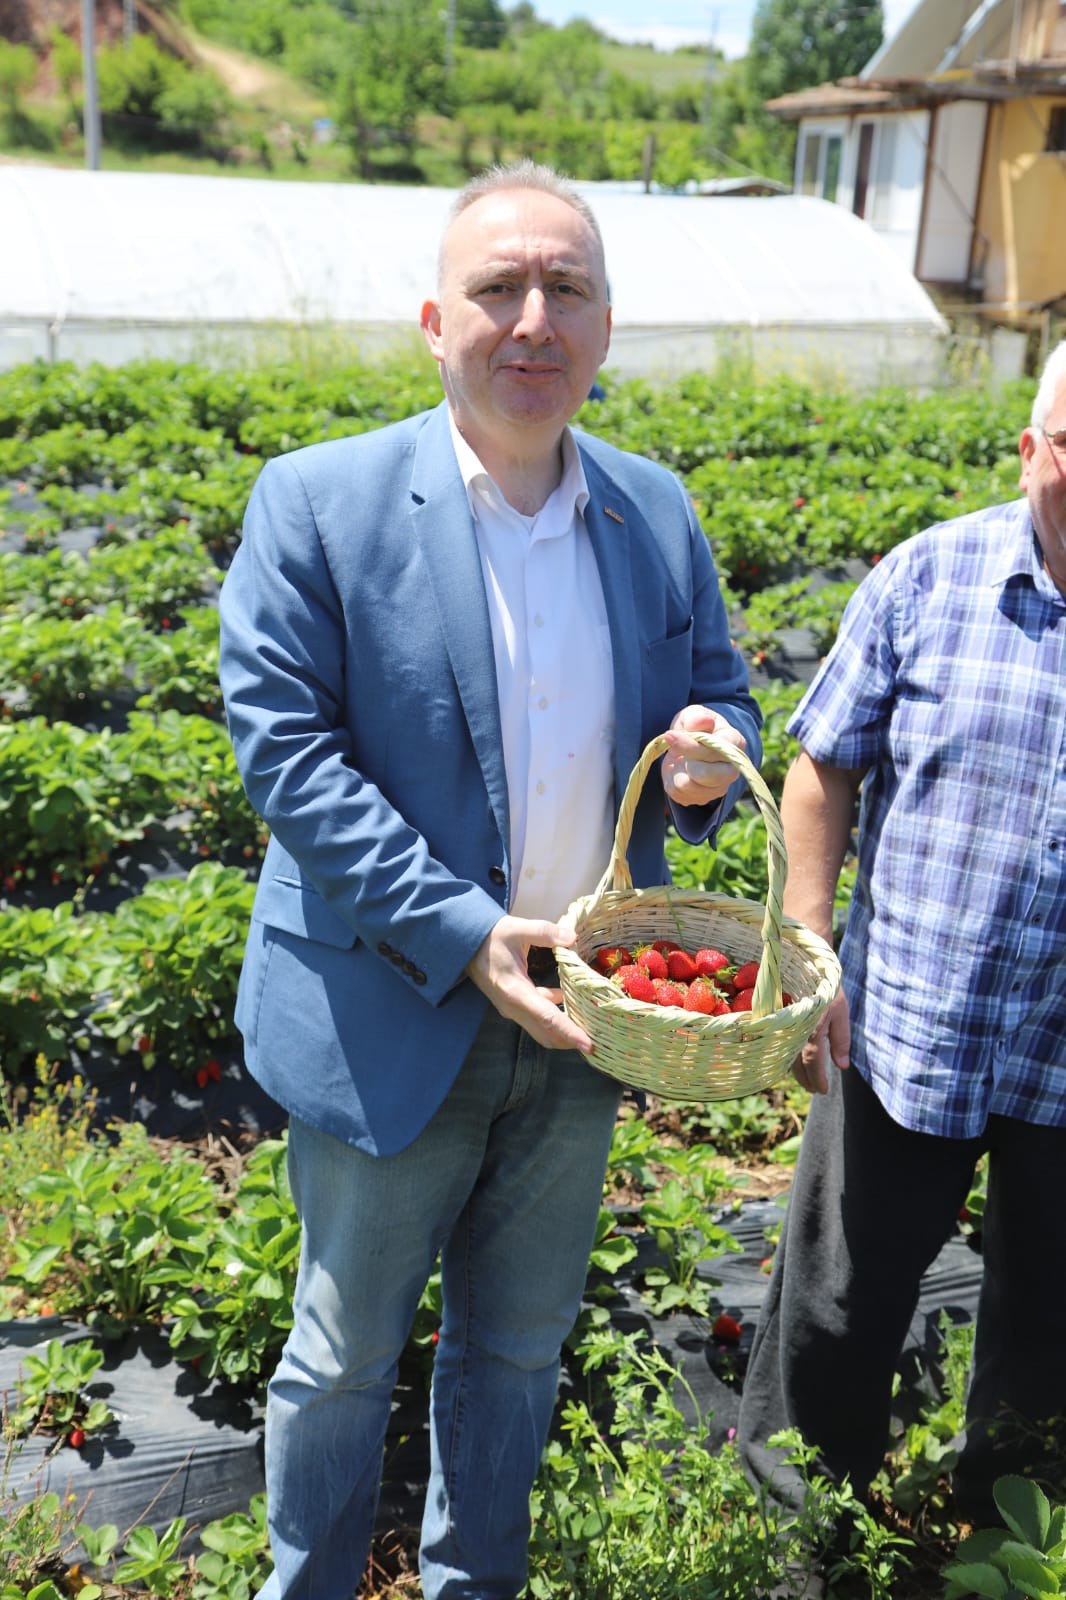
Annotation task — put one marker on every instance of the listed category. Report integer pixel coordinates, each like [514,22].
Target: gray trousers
[871,1206]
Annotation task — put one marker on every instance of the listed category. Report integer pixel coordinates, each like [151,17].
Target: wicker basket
[685,1055]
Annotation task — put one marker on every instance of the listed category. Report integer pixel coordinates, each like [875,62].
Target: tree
[18,70]
[396,74]
[797,44]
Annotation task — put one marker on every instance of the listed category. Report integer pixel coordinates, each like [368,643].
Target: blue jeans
[505,1182]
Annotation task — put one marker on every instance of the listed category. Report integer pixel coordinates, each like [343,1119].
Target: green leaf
[977,1579]
[1024,1507]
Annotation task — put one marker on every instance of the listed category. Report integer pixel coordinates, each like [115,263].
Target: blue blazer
[360,688]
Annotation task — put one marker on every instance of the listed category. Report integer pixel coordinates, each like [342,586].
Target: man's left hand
[691,776]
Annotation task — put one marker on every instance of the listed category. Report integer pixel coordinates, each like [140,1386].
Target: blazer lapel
[444,529]
[607,518]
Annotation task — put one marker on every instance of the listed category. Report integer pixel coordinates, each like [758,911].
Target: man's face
[1044,480]
[522,324]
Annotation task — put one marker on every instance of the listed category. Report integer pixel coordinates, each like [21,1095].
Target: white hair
[1053,375]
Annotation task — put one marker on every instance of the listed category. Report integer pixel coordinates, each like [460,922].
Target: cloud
[666,35]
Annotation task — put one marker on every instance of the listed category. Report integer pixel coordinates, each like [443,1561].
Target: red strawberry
[668,993]
[745,976]
[786,998]
[144,1044]
[653,961]
[742,1001]
[611,957]
[202,1077]
[637,985]
[726,1328]
[77,1438]
[708,962]
[681,966]
[703,996]
[213,1068]
[665,945]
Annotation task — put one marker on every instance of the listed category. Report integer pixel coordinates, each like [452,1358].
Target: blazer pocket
[294,907]
[667,679]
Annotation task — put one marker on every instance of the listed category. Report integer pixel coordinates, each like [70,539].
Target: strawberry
[786,998]
[202,1077]
[703,996]
[726,1328]
[213,1068]
[611,957]
[637,985]
[745,976]
[681,966]
[708,962]
[665,945]
[742,1001]
[669,994]
[653,961]
[77,1438]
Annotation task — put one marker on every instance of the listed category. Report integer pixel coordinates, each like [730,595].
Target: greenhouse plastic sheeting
[113,264]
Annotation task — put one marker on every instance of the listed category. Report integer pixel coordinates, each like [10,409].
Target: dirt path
[244,77]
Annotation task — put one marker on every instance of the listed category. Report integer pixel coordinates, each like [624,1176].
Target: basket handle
[767,996]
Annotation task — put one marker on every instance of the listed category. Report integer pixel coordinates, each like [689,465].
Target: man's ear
[430,322]
[1026,446]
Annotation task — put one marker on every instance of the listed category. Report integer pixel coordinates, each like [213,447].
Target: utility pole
[449,38]
[129,22]
[709,79]
[91,112]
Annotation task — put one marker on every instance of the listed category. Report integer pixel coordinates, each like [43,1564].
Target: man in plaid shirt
[944,702]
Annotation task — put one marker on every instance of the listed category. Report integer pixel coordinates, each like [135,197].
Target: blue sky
[669,23]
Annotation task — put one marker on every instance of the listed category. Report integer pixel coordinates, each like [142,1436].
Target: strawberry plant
[170,964]
[680,1218]
[151,1559]
[117,1228]
[51,1393]
[235,1561]
[45,982]
[236,1322]
[1027,1558]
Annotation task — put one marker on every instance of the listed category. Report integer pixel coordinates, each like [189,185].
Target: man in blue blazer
[444,645]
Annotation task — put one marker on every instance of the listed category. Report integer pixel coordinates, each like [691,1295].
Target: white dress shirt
[555,678]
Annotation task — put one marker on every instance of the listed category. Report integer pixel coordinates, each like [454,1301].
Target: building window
[1056,130]
[818,163]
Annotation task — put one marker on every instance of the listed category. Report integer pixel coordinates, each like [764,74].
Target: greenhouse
[111,266]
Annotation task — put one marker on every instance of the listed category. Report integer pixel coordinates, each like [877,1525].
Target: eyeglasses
[1056,440]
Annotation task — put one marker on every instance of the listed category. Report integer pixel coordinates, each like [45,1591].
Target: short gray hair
[525,174]
[1052,376]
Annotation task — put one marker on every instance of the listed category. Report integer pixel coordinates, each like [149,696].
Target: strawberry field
[149,1222]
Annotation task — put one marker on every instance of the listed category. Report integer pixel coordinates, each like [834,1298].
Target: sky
[669,23]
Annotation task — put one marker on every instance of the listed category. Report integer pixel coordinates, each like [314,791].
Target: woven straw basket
[685,1055]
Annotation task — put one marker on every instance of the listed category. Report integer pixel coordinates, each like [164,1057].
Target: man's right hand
[831,1039]
[498,968]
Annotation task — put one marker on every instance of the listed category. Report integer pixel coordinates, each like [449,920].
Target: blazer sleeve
[285,653]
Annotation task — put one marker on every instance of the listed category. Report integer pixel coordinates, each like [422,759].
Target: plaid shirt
[947,685]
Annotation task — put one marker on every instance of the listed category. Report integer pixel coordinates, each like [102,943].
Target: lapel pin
[614,515]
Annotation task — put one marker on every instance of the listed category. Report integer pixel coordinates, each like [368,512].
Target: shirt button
[1053,845]
[541,788]
[538,621]
[1037,920]
[542,705]
[529,873]
[497,875]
